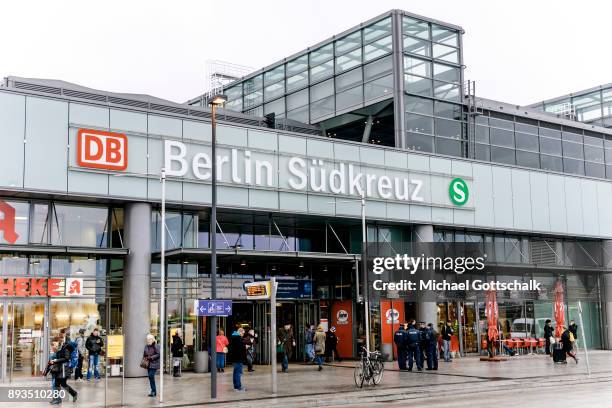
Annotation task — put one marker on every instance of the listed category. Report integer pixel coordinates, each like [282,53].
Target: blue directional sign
[213,307]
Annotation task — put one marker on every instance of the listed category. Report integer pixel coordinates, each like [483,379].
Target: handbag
[144,363]
[225,350]
[280,347]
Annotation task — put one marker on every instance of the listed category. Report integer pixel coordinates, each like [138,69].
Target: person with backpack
[177,352]
[399,338]
[80,344]
[431,344]
[94,346]
[413,338]
[62,365]
[309,338]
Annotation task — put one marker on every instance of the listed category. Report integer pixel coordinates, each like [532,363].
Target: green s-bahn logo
[458,191]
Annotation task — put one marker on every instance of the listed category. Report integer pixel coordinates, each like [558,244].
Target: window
[482,134]
[321,107]
[17,213]
[379,87]
[416,46]
[348,61]
[415,28]
[348,79]
[299,114]
[550,133]
[502,137]
[502,155]
[445,53]
[40,224]
[418,105]
[417,66]
[297,65]
[274,75]
[277,107]
[419,123]
[297,81]
[483,152]
[449,110]
[550,146]
[253,99]
[448,128]
[573,150]
[593,153]
[274,90]
[252,84]
[322,54]
[377,68]
[377,49]
[526,141]
[594,170]
[322,90]
[573,166]
[572,137]
[551,163]
[528,159]
[325,70]
[419,142]
[349,98]
[377,30]
[443,35]
[79,226]
[447,91]
[502,124]
[449,147]
[348,43]
[297,99]
[418,85]
[525,128]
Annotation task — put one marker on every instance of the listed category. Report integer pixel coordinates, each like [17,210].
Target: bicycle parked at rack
[370,368]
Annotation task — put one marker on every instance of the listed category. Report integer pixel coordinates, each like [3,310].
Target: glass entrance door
[307,315]
[469,327]
[23,351]
[261,325]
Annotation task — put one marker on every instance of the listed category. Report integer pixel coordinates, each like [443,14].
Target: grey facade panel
[12,131]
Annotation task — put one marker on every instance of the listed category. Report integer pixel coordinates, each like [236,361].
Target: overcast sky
[517,51]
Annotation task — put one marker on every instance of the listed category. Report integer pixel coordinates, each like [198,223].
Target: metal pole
[213,254]
[273,332]
[162,300]
[364,265]
[586,351]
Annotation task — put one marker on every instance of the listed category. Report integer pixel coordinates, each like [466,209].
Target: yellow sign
[258,290]
[114,344]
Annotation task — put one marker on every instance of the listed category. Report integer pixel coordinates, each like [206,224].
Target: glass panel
[419,123]
[297,65]
[233,92]
[528,159]
[574,150]
[500,123]
[322,54]
[348,61]
[550,146]
[322,71]
[277,106]
[322,107]
[252,84]
[79,226]
[297,99]
[502,137]
[550,132]
[527,142]
[258,111]
[252,99]
[448,128]
[348,79]
[321,90]
[297,81]
[445,53]
[377,68]
[572,137]
[418,85]
[416,46]
[594,141]
[417,66]
[483,152]
[502,155]
[274,90]
[449,147]
[377,30]
[482,134]
[377,48]
[588,107]
[13,265]
[416,141]
[445,36]
[443,90]
[551,163]
[349,98]
[348,43]
[416,28]
[594,170]
[274,75]
[78,267]
[594,154]
[525,128]
[40,224]
[379,87]
[299,114]
[418,105]
[449,110]
[26,328]
[15,217]
[573,166]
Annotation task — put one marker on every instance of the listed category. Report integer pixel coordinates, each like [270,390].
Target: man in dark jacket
[399,338]
[331,345]
[177,353]
[286,343]
[447,332]
[413,337]
[94,346]
[237,354]
[548,333]
[60,369]
[249,340]
[431,347]
[573,328]
[567,344]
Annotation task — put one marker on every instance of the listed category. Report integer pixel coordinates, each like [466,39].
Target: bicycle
[369,368]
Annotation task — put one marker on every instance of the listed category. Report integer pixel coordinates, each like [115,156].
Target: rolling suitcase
[558,353]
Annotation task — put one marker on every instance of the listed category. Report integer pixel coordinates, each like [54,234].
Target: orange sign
[7,222]
[392,315]
[342,319]
[102,150]
[24,287]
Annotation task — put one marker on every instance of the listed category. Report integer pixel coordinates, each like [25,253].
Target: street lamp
[214,102]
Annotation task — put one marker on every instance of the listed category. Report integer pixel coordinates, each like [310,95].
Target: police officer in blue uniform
[413,336]
[399,338]
[431,341]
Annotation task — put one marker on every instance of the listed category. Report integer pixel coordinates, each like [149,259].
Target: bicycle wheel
[379,368]
[358,375]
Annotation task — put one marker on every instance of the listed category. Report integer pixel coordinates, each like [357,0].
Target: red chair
[532,343]
[541,344]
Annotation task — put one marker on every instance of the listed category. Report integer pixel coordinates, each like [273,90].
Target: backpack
[74,354]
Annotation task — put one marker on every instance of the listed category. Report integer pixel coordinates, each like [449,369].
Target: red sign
[392,315]
[102,150]
[24,287]
[342,319]
[7,222]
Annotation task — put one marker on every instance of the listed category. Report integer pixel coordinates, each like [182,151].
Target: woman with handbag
[177,352]
[222,343]
[150,362]
[319,346]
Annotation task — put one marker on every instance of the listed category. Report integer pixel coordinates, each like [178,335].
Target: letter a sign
[7,223]
[102,150]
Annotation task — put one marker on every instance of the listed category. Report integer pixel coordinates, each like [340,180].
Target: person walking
[221,343]
[447,332]
[250,339]
[399,338]
[80,342]
[237,354]
[285,342]
[431,343]
[177,352]
[413,337]
[60,368]
[94,346]
[319,342]
[331,345]
[309,338]
[548,334]
[573,328]
[150,362]
[567,340]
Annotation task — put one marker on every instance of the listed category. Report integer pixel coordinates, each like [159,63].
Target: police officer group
[416,344]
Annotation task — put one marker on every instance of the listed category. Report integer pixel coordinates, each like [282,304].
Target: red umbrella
[559,309]
[492,312]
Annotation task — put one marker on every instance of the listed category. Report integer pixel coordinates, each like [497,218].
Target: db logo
[342,316]
[392,316]
[102,150]
[74,287]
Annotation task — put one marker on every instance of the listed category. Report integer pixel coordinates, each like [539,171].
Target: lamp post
[214,102]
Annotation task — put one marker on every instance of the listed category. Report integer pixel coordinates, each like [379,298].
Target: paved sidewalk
[304,386]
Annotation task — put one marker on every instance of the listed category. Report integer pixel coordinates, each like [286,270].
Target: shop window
[79,226]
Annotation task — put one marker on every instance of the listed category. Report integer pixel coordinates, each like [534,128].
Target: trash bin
[200,365]
[387,350]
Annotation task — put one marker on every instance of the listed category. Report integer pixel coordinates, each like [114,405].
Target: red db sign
[102,150]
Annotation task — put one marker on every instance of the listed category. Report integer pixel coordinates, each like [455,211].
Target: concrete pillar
[427,311]
[607,295]
[136,285]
